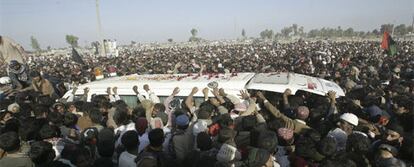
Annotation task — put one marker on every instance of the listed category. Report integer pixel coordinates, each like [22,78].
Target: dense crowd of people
[371,126]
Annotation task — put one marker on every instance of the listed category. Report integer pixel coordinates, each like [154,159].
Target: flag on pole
[76,57]
[388,44]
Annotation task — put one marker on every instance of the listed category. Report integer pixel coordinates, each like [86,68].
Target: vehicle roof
[279,82]
[163,84]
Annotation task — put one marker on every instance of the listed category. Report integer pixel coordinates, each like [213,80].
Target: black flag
[76,57]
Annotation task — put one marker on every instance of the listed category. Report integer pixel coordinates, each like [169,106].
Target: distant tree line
[327,32]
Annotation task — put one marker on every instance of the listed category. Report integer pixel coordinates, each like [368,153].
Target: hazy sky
[157,20]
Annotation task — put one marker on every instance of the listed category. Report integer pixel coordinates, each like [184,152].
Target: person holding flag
[388,44]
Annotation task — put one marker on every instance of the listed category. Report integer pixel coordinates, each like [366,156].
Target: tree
[194,32]
[375,32]
[301,31]
[170,40]
[400,30]
[313,33]
[72,40]
[243,33]
[266,34]
[295,29]
[339,31]
[133,43]
[35,45]
[286,31]
[193,37]
[386,27]
[263,34]
[349,32]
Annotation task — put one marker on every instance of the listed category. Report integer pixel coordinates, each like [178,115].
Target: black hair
[12,125]
[34,74]
[226,135]
[9,141]
[106,142]
[103,162]
[404,101]
[407,148]
[248,122]
[55,118]
[83,152]
[39,110]
[96,116]
[327,146]
[262,156]
[395,126]
[207,106]
[156,137]
[225,120]
[268,140]
[41,152]
[70,120]
[357,143]
[159,107]
[28,130]
[47,132]
[138,112]
[87,107]
[130,140]
[45,100]
[204,141]
[120,103]
[203,113]
[121,116]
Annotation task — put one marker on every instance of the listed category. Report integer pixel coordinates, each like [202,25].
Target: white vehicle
[163,84]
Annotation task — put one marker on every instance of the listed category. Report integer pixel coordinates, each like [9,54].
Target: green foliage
[35,45]
[266,34]
[72,40]
[326,32]
[194,32]
[386,27]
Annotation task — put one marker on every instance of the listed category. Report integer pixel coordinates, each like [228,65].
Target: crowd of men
[371,126]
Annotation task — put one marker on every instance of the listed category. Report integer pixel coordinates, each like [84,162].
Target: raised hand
[108,90]
[331,94]
[146,87]
[221,92]
[135,89]
[176,91]
[260,95]
[287,92]
[244,94]
[86,90]
[205,91]
[214,102]
[194,90]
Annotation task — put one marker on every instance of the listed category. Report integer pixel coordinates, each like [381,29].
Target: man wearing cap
[19,75]
[181,143]
[346,124]
[298,125]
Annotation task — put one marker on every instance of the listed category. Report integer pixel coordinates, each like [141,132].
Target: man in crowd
[312,130]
